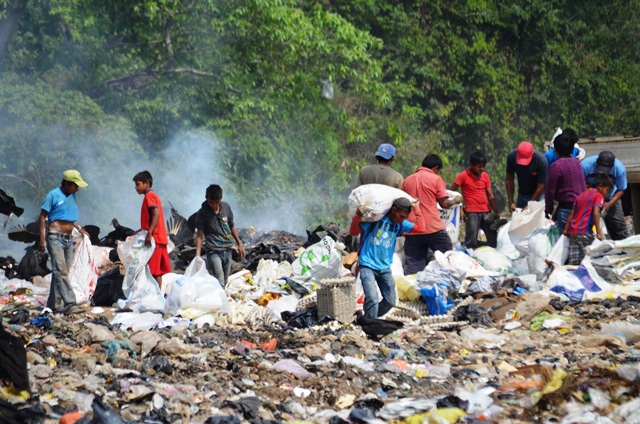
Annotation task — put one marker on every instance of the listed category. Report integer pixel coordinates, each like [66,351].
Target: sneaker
[73,310]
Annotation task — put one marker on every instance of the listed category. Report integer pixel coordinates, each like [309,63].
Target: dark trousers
[474,222]
[417,246]
[616,225]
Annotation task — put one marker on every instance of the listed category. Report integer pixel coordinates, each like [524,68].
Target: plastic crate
[336,298]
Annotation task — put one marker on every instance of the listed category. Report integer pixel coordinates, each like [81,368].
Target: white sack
[560,252]
[375,199]
[541,244]
[524,223]
[196,293]
[492,260]
[140,288]
[505,246]
[318,261]
[83,274]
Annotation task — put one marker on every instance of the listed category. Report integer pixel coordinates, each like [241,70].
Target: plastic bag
[83,274]
[628,330]
[540,246]
[196,293]
[560,252]
[278,306]
[524,223]
[505,246]
[319,261]
[460,264]
[140,288]
[492,260]
[578,284]
[451,218]
[375,200]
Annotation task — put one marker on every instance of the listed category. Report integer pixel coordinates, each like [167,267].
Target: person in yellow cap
[62,210]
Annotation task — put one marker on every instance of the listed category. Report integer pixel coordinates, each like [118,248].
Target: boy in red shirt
[152,221]
[478,201]
[585,214]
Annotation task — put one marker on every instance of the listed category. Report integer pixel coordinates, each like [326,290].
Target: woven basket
[336,298]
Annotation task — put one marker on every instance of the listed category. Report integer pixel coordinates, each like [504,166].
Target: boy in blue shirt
[378,243]
[62,210]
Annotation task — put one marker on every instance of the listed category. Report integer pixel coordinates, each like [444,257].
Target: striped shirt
[583,211]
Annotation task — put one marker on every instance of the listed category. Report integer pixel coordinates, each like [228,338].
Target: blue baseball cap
[386,151]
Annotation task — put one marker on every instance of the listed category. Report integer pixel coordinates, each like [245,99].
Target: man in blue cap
[382,173]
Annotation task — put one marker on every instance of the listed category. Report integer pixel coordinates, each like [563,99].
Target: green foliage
[437,76]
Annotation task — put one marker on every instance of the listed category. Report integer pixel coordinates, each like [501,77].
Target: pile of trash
[490,335]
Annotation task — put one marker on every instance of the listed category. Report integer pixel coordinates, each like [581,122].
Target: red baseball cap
[524,153]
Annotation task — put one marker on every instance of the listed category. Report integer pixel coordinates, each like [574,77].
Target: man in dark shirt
[214,223]
[531,167]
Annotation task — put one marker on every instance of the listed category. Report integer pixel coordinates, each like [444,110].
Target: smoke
[182,170]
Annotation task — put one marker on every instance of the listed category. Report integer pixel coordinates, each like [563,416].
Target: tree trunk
[9,25]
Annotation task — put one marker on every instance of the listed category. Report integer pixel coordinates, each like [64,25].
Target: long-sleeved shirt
[566,182]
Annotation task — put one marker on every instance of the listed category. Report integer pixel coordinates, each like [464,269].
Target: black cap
[605,162]
[402,204]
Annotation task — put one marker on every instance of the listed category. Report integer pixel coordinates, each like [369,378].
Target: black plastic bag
[109,288]
[305,318]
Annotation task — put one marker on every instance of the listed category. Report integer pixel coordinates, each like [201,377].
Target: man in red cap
[532,169]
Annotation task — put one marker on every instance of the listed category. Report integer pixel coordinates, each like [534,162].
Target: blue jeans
[523,200]
[219,265]
[474,222]
[60,247]
[374,308]
[561,218]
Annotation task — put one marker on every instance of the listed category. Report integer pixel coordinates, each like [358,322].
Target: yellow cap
[74,176]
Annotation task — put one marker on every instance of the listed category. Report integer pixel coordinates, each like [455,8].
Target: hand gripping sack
[140,288]
[375,199]
[196,293]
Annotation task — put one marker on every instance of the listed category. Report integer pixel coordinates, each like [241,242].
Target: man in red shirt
[478,201]
[152,221]
[427,186]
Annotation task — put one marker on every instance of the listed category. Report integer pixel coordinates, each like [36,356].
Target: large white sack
[541,244]
[196,293]
[492,260]
[504,243]
[319,261]
[83,273]
[560,252]
[140,288]
[451,218]
[524,223]
[375,200]
[460,264]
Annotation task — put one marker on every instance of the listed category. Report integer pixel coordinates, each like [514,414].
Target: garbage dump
[489,335]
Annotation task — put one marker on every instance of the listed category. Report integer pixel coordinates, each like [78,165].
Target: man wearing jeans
[214,223]
[376,253]
[62,210]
